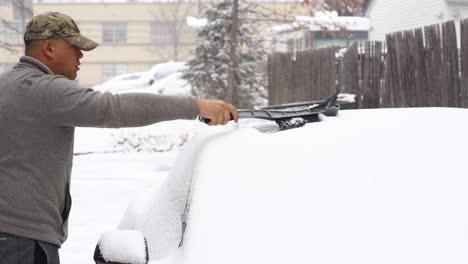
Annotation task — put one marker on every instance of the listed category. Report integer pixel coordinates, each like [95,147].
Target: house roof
[458,2]
[367,3]
[328,20]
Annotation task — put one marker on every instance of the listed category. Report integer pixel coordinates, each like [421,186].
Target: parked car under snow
[367,187]
[162,78]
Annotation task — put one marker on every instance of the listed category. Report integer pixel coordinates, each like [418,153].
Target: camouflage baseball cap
[57,25]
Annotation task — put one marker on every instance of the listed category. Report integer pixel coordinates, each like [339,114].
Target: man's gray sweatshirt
[38,113]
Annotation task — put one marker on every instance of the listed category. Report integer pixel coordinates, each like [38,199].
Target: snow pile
[159,137]
[164,136]
[123,246]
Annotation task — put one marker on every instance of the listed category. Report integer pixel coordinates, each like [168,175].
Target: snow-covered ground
[102,187]
[369,186]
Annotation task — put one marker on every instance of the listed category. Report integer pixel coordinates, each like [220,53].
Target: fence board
[420,70]
[436,84]
[450,43]
[351,77]
[301,77]
[392,80]
[464,63]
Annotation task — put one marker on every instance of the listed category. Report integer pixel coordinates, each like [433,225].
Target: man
[40,105]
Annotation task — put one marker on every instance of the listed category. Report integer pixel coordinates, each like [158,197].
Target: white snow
[103,185]
[172,84]
[196,22]
[162,78]
[124,246]
[325,19]
[164,136]
[369,186]
[346,97]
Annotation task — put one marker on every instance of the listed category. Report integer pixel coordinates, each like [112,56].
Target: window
[163,31]
[111,70]
[114,33]
[13,32]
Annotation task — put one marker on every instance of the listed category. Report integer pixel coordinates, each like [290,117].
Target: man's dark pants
[16,249]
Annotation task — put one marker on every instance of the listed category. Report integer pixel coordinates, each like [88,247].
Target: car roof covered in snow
[368,186]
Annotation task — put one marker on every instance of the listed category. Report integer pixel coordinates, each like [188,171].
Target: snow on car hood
[369,186]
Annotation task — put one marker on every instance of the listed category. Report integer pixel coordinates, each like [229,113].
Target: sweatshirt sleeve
[65,103]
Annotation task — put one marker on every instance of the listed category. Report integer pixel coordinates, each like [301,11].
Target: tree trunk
[231,91]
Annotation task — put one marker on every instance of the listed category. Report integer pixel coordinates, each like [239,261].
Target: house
[323,29]
[391,16]
[134,34]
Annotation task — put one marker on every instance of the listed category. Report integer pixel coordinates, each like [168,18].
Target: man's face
[66,59]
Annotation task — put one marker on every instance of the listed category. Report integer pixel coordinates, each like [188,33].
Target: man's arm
[67,104]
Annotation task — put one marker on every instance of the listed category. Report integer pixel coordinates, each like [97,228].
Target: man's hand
[219,112]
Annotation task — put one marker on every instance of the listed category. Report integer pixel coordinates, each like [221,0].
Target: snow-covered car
[369,186]
[162,78]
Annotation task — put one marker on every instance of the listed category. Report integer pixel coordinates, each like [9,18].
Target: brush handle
[207,120]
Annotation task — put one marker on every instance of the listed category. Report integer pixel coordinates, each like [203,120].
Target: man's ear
[48,48]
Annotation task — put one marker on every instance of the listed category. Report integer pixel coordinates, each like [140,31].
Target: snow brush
[291,115]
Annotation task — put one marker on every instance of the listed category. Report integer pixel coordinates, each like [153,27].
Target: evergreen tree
[208,68]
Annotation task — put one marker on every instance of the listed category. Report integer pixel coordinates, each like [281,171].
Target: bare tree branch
[177,16]
[4,44]
[345,7]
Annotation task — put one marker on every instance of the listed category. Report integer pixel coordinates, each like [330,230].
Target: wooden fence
[301,76]
[363,67]
[413,68]
[421,67]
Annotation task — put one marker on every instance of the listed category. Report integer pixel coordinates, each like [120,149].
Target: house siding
[397,15]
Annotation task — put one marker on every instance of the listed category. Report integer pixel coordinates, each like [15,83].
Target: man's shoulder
[29,79]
